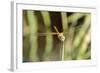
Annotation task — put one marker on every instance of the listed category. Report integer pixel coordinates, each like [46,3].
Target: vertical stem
[84,46]
[63,52]
[33,39]
[80,35]
[49,40]
[82,31]
[65,28]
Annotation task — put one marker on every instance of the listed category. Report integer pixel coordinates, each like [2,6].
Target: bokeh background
[47,47]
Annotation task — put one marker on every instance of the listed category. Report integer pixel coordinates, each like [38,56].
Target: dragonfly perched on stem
[61,37]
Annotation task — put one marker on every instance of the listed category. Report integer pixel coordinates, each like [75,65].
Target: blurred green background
[46,46]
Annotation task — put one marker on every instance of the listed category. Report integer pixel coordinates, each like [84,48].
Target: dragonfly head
[61,37]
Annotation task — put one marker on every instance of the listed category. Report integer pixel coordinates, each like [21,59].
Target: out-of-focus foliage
[46,47]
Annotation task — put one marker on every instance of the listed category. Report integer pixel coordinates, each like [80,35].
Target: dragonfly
[61,37]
